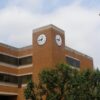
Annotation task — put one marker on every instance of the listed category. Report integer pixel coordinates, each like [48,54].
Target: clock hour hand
[40,39]
[58,39]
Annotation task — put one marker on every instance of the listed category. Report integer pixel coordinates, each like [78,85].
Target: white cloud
[82,26]
[27,5]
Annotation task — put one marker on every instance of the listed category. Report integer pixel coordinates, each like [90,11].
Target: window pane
[8,78]
[73,62]
[15,79]
[8,59]
[25,60]
[15,61]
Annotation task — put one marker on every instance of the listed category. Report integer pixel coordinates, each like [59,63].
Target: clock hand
[58,39]
[40,39]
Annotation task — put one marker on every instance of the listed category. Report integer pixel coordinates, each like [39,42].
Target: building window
[8,59]
[25,60]
[72,61]
[15,61]
[8,78]
[15,79]
[23,80]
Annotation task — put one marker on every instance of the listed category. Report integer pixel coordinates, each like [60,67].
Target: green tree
[30,91]
[66,83]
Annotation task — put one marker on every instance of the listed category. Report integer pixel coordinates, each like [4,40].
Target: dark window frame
[19,80]
[8,78]
[15,61]
[73,61]
[8,59]
[25,60]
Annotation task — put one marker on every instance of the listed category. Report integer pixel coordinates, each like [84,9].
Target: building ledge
[14,66]
[8,84]
[8,93]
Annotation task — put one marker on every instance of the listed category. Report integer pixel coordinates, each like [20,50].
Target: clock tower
[48,48]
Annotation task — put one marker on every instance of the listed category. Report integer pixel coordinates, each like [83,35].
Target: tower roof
[47,27]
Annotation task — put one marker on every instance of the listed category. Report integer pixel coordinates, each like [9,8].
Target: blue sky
[47,6]
[78,18]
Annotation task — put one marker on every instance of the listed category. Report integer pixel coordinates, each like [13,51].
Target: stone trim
[24,85]
[72,57]
[16,74]
[8,84]
[16,67]
[14,55]
[25,66]
[9,93]
[8,65]
[25,74]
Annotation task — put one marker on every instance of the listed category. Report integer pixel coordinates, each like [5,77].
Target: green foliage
[29,91]
[66,83]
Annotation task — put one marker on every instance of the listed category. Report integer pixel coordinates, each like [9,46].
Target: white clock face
[58,40]
[41,39]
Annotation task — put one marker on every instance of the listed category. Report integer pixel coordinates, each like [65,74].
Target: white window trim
[16,67]
[72,57]
[8,84]
[9,93]
[16,74]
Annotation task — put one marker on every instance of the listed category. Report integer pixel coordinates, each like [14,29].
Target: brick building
[17,65]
